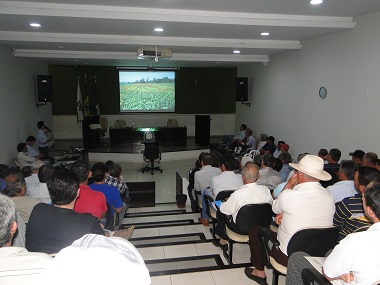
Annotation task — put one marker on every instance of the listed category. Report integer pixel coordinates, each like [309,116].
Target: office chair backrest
[120,123]
[103,122]
[314,241]
[172,123]
[152,151]
[252,215]
[223,195]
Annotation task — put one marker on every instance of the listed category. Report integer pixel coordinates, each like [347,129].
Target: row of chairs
[313,241]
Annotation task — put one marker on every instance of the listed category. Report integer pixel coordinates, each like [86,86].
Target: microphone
[47,129]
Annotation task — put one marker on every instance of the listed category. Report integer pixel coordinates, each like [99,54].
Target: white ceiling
[199,32]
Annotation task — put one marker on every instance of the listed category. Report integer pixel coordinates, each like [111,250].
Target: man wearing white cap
[303,203]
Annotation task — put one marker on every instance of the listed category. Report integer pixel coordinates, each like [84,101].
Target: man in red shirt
[89,201]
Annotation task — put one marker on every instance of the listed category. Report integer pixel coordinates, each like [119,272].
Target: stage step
[169,266]
[156,213]
[168,240]
[160,224]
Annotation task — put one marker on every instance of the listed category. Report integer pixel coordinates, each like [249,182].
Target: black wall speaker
[44,88]
[242,89]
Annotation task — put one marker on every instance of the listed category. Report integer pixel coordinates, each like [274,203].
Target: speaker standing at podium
[42,139]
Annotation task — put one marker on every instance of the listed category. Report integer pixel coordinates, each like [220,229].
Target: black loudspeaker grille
[242,89]
[44,88]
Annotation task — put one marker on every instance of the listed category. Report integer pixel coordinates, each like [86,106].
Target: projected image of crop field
[147,93]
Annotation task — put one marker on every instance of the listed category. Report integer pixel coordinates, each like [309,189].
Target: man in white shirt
[42,139]
[40,191]
[22,157]
[268,176]
[239,136]
[356,259]
[227,180]
[303,203]
[202,178]
[33,179]
[250,193]
[33,152]
[18,266]
[345,187]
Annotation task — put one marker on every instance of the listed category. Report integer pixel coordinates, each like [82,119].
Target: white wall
[285,101]
[18,112]
[66,127]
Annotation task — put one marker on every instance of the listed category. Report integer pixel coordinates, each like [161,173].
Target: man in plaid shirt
[114,178]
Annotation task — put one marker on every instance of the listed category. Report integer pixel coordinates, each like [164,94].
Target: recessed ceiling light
[265,34]
[35,25]
[236,51]
[159,29]
[316,2]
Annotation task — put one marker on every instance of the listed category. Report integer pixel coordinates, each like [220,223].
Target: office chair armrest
[311,275]
[268,235]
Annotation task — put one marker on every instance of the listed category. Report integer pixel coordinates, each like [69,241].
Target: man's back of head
[45,172]
[16,185]
[285,157]
[115,170]
[7,220]
[372,200]
[82,169]
[206,158]
[229,162]
[370,159]
[250,172]
[334,155]
[98,172]
[365,175]
[347,170]
[268,160]
[30,140]
[63,187]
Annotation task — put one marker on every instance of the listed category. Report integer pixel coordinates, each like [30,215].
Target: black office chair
[151,154]
[211,211]
[313,241]
[248,216]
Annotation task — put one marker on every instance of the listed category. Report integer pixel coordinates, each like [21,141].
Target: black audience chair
[248,216]
[313,241]
[211,211]
[151,154]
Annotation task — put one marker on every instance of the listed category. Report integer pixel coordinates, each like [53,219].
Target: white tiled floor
[165,193]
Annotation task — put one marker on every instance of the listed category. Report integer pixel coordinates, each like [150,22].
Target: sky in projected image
[142,91]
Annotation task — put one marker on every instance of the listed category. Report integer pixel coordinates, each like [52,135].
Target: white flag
[79,104]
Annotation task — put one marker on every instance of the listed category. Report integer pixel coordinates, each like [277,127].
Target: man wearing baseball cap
[303,203]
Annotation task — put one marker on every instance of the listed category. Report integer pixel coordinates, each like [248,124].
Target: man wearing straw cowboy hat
[303,203]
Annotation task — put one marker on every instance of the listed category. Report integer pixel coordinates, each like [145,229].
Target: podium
[89,140]
[202,129]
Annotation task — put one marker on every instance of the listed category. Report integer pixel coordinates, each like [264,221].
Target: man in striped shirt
[349,213]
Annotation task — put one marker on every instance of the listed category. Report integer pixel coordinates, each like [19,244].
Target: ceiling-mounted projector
[154,52]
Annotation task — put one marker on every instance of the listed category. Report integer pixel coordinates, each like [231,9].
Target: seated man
[269,147]
[22,157]
[238,137]
[91,256]
[202,178]
[16,190]
[112,193]
[33,179]
[303,203]
[89,201]
[33,152]
[18,266]
[369,159]
[114,178]
[357,156]
[40,191]
[190,187]
[278,151]
[53,227]
[333,158]
[349,213]
[345,187]
[248,143]
[285,170]
[356,258]
[268,176]
[250,193]
[227,180]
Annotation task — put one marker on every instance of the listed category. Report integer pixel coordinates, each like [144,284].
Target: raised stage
[131,152]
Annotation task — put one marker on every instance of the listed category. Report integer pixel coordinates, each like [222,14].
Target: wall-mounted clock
[322,92]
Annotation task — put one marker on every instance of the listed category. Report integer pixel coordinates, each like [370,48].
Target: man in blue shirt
[112,193]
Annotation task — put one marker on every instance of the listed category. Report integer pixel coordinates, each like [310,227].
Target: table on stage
[170,136]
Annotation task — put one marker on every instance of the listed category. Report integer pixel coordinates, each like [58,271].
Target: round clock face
[322,92]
